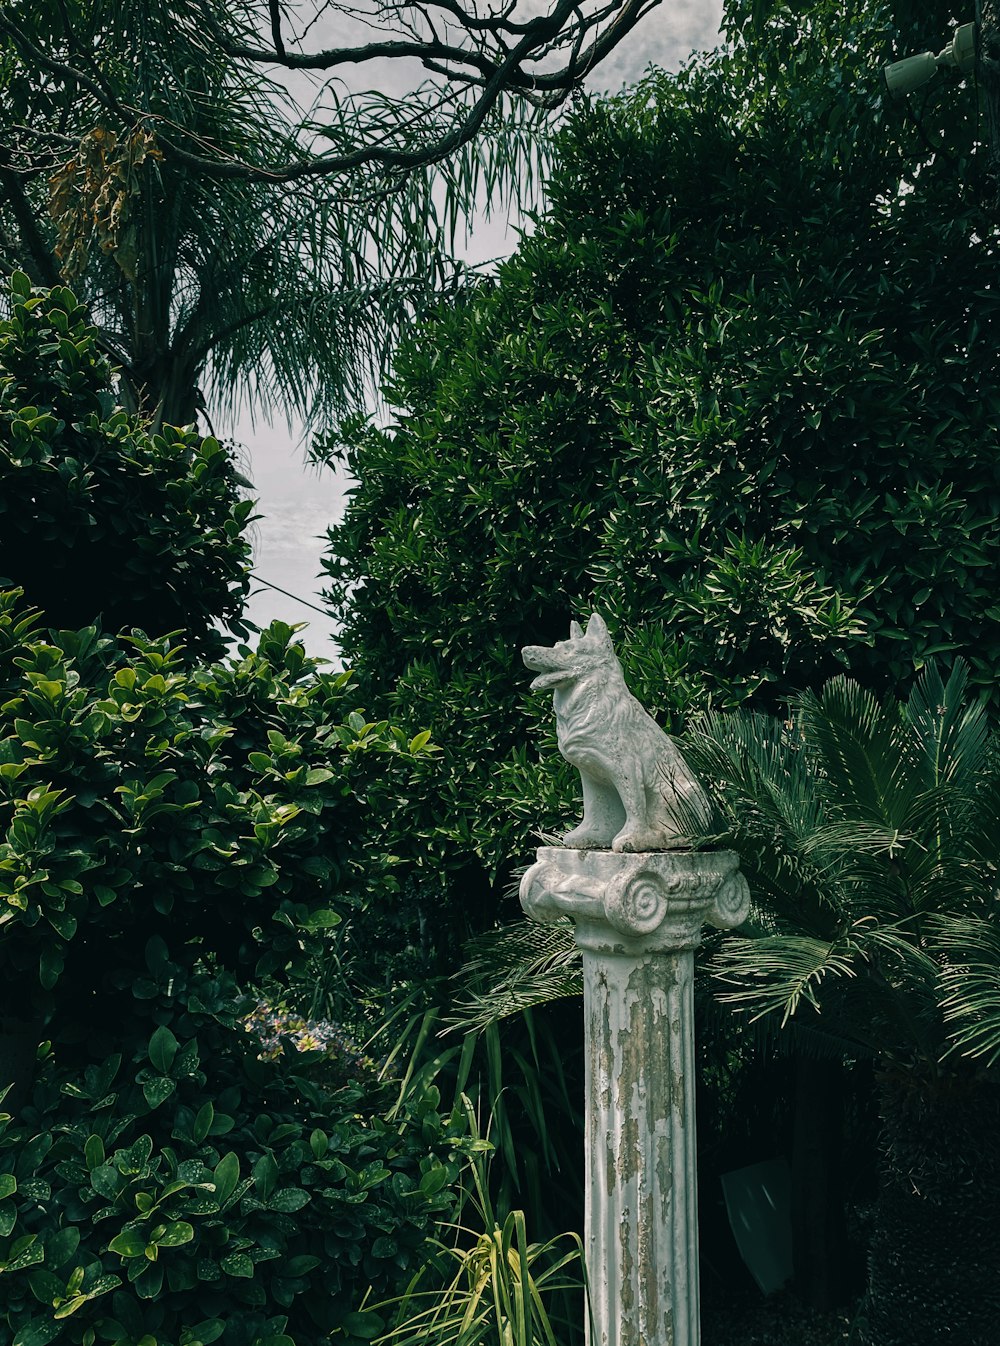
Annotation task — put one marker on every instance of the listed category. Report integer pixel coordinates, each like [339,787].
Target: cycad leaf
[776,973]
[969,985]
[861,755]
[760,775]
[951,734]
[516,968]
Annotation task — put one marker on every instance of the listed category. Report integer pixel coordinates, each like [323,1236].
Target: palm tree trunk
[934,1261]
[164,389]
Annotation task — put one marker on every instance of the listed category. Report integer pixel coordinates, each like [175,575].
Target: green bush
[141,796]
[176,842]
[184,1191]
[98,517]
[737,390]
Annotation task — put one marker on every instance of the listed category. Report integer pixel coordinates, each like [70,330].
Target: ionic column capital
[636,903]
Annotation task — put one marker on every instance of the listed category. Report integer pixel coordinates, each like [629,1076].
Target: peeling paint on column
[636,1105]
[641,1220]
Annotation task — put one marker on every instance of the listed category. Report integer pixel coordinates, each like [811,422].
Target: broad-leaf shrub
[186,1191]
[176,840]
[98,516]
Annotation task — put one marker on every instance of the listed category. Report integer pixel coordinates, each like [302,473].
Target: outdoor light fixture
[902,77]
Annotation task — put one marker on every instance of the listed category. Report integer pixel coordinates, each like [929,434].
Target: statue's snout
[534,657]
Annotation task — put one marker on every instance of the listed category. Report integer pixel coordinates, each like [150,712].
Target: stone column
[638,920]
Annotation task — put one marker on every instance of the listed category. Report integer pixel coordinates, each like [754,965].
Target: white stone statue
[638,792]
[637,919]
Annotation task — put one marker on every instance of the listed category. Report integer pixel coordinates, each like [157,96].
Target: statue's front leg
[640,832]
[603,815]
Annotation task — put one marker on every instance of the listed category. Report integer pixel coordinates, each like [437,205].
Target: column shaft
[637,920]
[642,1230]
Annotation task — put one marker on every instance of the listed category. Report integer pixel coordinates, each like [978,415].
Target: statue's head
[569,659]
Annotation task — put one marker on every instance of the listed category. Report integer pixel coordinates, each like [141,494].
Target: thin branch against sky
[297,504]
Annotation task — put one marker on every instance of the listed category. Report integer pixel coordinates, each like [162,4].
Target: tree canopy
[737,390]
[102,517]
[232,243]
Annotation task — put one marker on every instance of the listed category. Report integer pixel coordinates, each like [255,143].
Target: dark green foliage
[134,787]
[937,1209]
[522,1078]
[172,838]
[194,1185]
[867,831]
[738,390]
[99,517]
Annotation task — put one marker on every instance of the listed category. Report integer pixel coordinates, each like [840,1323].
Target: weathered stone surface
[638,792]
[641,1226]
[636,903]
[638,919]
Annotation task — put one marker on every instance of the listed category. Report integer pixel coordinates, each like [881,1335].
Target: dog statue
[638,792]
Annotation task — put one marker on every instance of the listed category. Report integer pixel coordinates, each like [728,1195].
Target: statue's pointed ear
[575,631]
[597,630]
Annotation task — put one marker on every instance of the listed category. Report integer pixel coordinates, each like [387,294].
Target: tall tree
[230,246]
[742,397]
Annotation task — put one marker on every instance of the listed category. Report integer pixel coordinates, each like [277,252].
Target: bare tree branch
[279,46]
[480,58]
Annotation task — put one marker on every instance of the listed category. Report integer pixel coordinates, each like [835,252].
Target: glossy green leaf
[367,1325]
[237,1264]
[205,1332]
[265,1175]
[129,1243]
[61,1246]
[203,1121]
[163,1049]
[37,1333]
[225,1177]
[172,1235]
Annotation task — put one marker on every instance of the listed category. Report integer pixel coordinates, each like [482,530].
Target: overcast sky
[297,503]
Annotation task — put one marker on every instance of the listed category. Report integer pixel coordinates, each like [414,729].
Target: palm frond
[777,973]
[755,770]
[515,968]
[762,780]
[951,733]
[860,753]
[840,836]
[969,987]
[902,957]
[865,827]
[875,988]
